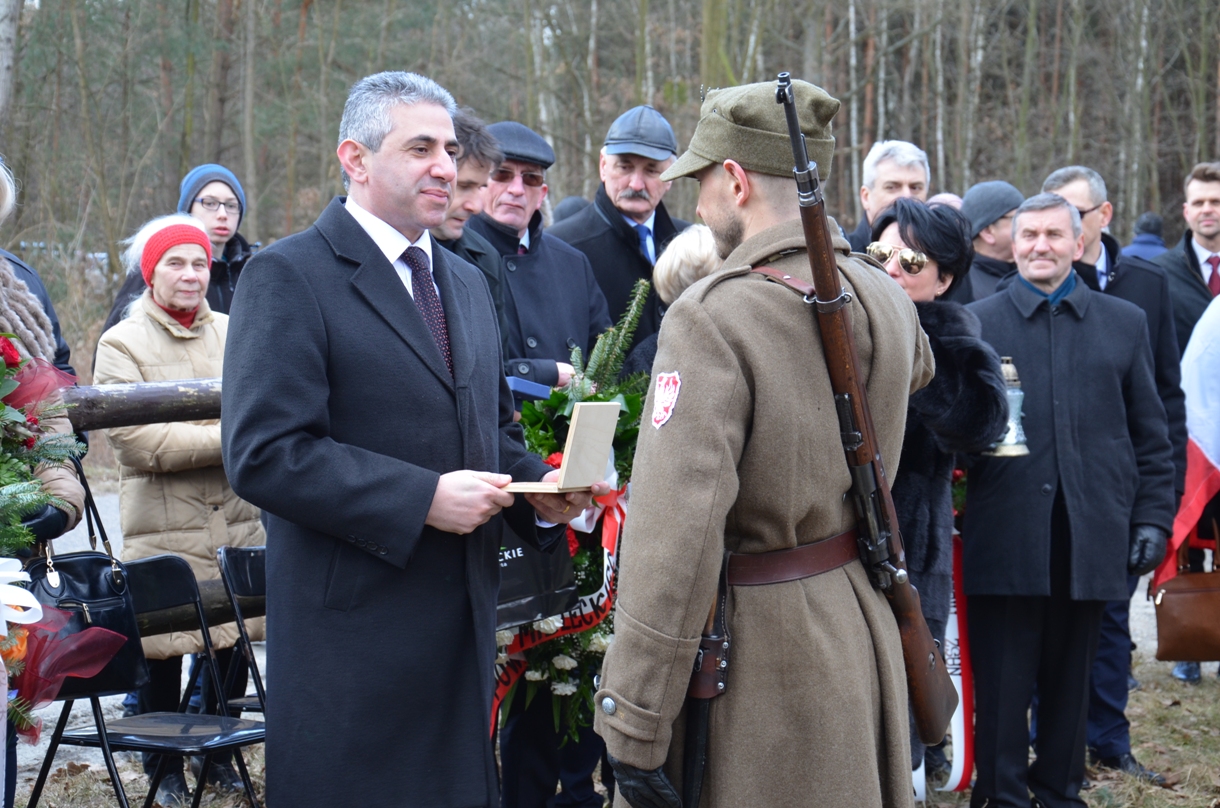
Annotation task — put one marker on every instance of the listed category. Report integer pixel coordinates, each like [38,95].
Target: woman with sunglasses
[927,250]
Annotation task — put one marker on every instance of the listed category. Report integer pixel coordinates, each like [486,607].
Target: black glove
[1146,550]
[46,524]
[644,789]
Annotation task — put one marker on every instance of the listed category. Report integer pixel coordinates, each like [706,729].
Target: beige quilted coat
[750,460]
[174,496]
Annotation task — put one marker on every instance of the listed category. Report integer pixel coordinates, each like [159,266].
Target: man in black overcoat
[627,227]
[552,302]
[1050,537]
[1105,269]
[1194,264]
[366,413]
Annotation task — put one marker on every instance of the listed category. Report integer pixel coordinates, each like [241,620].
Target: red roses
[9,352]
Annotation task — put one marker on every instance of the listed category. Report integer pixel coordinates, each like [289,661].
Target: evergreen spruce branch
[21,713]
[623,333]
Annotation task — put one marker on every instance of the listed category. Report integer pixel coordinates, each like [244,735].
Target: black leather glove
[1146,549]
[47,524]
[644,789]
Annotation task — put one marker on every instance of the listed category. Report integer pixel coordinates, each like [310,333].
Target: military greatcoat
[748,459]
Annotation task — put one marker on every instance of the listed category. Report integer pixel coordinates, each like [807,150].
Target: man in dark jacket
[552,302]
[989,206]
[1050,537]
[626,228]
[893,168]
[1149,241]
[1194,265]
[377,440]
[1103,268]
[212,194]
[479,157]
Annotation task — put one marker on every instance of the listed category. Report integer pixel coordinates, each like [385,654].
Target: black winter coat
[861,237]
[226,269]
[613,247]
[1095,428]
[1146,285]
[474,249]
[1187,290]
[985,275]
[963,409]
[552,302]
[339,417]
[23,271]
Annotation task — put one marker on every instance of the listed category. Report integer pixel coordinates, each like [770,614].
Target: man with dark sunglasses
[552,302]
[213,195]
[1104,269]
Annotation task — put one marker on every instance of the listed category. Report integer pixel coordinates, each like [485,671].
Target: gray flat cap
[986,202]
[520,143]
[642,131]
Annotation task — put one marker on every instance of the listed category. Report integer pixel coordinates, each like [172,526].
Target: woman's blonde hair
[8,191]
[691,255]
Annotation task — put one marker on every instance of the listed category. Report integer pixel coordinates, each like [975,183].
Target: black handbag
[92,587]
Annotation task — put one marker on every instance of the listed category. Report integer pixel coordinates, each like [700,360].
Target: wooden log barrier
[216,607]
[105,406]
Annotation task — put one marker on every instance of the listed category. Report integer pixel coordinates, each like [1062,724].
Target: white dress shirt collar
[391,242]
[1202,253]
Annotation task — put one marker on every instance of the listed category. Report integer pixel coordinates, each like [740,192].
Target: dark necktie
[429,304]
[644,233]
[521,249]
[1213,283]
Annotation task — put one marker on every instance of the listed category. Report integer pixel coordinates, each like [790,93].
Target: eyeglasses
[232,208]
[911,261]
[1084,213]
[530,179]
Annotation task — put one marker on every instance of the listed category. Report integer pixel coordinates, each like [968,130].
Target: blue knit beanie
[199,176]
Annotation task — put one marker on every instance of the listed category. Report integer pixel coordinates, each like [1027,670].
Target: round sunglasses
[911,261]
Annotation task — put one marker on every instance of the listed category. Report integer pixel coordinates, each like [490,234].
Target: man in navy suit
[365,411]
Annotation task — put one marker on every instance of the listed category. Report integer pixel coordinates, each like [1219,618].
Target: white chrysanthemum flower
[564,662]
[502,659]
[549,625]
[505,638]
[535,676]
[563,688]
[598,642]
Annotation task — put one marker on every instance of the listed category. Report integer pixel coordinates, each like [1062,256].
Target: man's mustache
[631,193]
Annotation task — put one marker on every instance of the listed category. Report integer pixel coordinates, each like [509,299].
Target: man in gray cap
[552,302]
[990,206]
[626,228]
[737,453]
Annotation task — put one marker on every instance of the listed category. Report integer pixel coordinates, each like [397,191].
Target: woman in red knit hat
[174,496]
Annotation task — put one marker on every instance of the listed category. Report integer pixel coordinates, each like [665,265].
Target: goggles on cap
[531,179]
[911,261]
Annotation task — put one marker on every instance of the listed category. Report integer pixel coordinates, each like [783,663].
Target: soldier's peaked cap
[520,143]
[746,124]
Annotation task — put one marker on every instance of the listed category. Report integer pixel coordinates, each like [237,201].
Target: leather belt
[794,563]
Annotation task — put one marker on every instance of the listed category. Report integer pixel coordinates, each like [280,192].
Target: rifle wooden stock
[932,694]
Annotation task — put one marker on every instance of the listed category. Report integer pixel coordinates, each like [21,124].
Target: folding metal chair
[159,583]
[244,572]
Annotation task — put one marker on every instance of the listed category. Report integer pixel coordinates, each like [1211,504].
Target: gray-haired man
[367,414]
[893,168]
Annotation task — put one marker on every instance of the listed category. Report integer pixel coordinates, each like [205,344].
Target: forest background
[104,104]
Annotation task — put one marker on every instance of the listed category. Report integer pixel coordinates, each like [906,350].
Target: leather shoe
[1127,764]
[172,791]
[1189,672]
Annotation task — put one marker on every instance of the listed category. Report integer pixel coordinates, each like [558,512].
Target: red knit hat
[171,236]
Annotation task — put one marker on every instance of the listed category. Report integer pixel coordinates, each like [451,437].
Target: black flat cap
[520,143]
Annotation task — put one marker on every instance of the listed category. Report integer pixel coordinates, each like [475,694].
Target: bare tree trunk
[978,24]
[1055,72]
[10,17]
[713,65]
[1027,87]
[870,65]
[882,73]
[939,60]
[218,81]
[185,156]
[250,217]
[908,75]
[290,198]
[326,134]
[1073,115]
[169,182]
[641,53]
[854,104]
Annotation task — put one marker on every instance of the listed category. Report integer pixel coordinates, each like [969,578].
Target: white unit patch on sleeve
[665,397]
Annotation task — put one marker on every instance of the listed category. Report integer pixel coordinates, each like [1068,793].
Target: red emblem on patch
[665,397]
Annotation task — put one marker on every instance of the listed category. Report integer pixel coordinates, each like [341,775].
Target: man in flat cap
[626,228]
[740,451]
[552,302]
[990,207]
